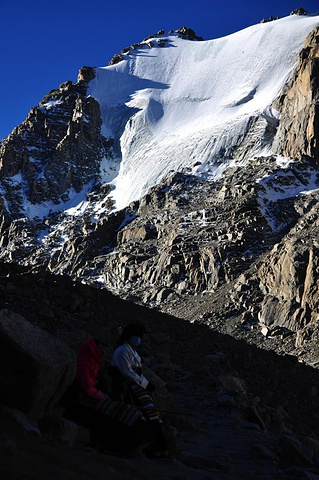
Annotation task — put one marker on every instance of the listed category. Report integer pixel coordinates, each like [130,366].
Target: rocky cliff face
[298,130]
[56,148]
[289,278]
[243,248]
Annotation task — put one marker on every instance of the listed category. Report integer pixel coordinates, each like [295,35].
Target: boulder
[231,384]
[163,397]
[86,74]
[116,59]
[299,11]
[294,451]
[58,429]
[35,368]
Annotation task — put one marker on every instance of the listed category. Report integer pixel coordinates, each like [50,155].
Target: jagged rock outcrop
[299,11]
[59,146]
[171,239]
[270,19]
[57,149]
[298,130]
[174,244]
[86,74]
[289,277]
[185,236]
[188,33]
[153,40]
[36,369]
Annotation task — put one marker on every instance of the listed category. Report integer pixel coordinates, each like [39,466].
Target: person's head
[102,338]
[132,334]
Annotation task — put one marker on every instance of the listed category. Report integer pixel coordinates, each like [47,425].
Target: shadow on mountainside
[238,411]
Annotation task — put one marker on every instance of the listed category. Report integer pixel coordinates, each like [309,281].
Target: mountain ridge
[204,226]
[219,259]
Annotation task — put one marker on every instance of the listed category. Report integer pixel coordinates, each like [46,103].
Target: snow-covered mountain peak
[170,106]
[206,241]
[164,105]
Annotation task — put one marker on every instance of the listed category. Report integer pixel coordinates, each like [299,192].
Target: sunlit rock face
[57,147]
[298,103]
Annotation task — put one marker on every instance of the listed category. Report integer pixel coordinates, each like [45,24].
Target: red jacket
[88,363]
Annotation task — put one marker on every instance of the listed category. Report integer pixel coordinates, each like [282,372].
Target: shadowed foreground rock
[232,410]
[35,368]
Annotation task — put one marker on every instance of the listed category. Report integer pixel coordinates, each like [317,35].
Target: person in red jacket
[113,423]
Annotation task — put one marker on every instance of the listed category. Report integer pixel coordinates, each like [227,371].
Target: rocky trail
[238,411]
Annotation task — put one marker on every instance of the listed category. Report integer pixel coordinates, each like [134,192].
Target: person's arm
[86,379]
[122,359]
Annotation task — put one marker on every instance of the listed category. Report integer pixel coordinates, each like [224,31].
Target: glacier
[191,103]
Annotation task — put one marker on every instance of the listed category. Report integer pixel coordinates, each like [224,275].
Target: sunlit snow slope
[169,107]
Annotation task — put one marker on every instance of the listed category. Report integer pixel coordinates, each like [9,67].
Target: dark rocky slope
[247,412]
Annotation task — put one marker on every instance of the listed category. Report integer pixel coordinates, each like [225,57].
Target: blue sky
[45,44]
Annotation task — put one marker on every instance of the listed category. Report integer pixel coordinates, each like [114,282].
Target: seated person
[117,425]
[127,362]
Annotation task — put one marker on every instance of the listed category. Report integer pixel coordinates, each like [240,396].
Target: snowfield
[170,107]
[199,105]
